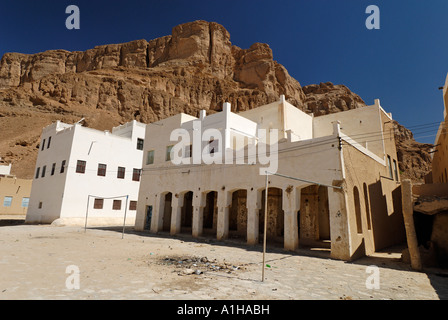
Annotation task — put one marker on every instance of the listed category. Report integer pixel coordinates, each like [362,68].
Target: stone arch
[238,214]
[187,212]
[275,218]
[166,199]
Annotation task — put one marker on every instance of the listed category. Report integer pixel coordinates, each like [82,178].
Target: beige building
[336,181]
[14,194]
[440,157]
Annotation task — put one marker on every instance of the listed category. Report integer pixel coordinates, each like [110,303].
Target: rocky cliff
[194,68]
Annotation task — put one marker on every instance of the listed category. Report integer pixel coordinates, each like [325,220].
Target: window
[53,167]
[116,205]
[7,201]
[169,150]
[136,175]
[389,165]
[188,151]
[25,202]
[63,166]
[140,143]
[150,157]
[44,168]
[49,141]
[121,172]
[37,173]
[133,205]
[396,169]
[357,209]
[43,145]
[40,205]
[366,203]
[213,146]
[98,203]
[102,169]
[81,166]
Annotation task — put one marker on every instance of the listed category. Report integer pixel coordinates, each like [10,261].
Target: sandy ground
[36,262]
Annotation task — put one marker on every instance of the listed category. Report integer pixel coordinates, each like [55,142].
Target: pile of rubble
[197,265]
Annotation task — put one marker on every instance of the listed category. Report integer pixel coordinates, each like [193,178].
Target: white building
[5,169]
[81,172]
[345,163]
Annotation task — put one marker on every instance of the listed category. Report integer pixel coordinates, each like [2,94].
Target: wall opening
[238,215]
[357,209]
[367,205]
[210,213]
[148,218]
[187,212]
[275,221]
[166,223]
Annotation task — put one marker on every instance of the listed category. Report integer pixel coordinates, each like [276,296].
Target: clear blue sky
[403,64]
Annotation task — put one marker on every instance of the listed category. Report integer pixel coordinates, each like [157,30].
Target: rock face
[194,68]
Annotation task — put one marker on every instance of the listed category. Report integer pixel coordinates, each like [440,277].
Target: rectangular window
[150,157]
[116,205]
[396,170]
[102,169]
[389,165]
[44,169]
[49,141]
[63,166]
[136,175]
[188,151]
[37,173]
[81,166]
[43,145]
[168,155]
[140,143]
[40,205]
[7,201]
[53,167]
[25,202]
[133,205]
[98,204]
[121,172]
[213,146]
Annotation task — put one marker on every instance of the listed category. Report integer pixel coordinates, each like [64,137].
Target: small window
[116,205]
[25,202]
[169,150]
[150,157]
[213,146]
[140,143]
[121,172]
[53,168]
[44,169]
[81,166]
[396,170]
[389,165]
[40,205]
[7,201]
[136,175]
[102,169]
[98,204]
[49,142]
[37,173]
[63,166]
[43,145]
[133,205]
[188,151]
